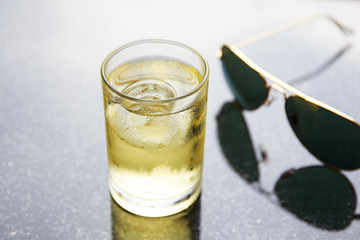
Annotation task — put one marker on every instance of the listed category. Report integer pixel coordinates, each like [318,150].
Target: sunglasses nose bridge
[278,88]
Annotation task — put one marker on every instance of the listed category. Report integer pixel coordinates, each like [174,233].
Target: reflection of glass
[319,195]
[182,226]
[155,95]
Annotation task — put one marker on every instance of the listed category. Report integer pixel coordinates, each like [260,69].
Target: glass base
[155,208]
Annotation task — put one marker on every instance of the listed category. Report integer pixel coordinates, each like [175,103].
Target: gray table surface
[53,164]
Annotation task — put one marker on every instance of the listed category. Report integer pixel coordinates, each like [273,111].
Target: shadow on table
[184,225]
[318,195]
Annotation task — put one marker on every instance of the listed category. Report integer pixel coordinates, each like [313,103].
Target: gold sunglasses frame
[276,83]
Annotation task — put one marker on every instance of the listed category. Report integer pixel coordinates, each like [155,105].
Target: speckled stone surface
[53,164]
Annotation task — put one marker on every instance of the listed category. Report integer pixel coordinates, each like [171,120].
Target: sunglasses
[328,134]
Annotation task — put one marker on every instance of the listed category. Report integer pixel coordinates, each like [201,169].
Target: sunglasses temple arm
[346,30]
[321,68]
[294,24]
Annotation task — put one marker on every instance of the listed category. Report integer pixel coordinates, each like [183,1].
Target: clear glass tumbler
[155,95]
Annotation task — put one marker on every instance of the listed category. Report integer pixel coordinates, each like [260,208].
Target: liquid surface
[155,157]
[155,79]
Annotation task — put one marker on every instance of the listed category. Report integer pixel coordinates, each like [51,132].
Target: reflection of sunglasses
[330,135]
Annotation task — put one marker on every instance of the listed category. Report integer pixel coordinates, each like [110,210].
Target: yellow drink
[155,151]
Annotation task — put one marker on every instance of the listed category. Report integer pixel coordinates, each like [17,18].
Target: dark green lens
[318,195]
[236,143]
[334,140]
[248,86]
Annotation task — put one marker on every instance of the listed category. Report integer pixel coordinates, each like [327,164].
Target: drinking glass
[155,95]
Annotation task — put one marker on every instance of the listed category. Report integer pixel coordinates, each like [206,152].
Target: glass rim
[204,79]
